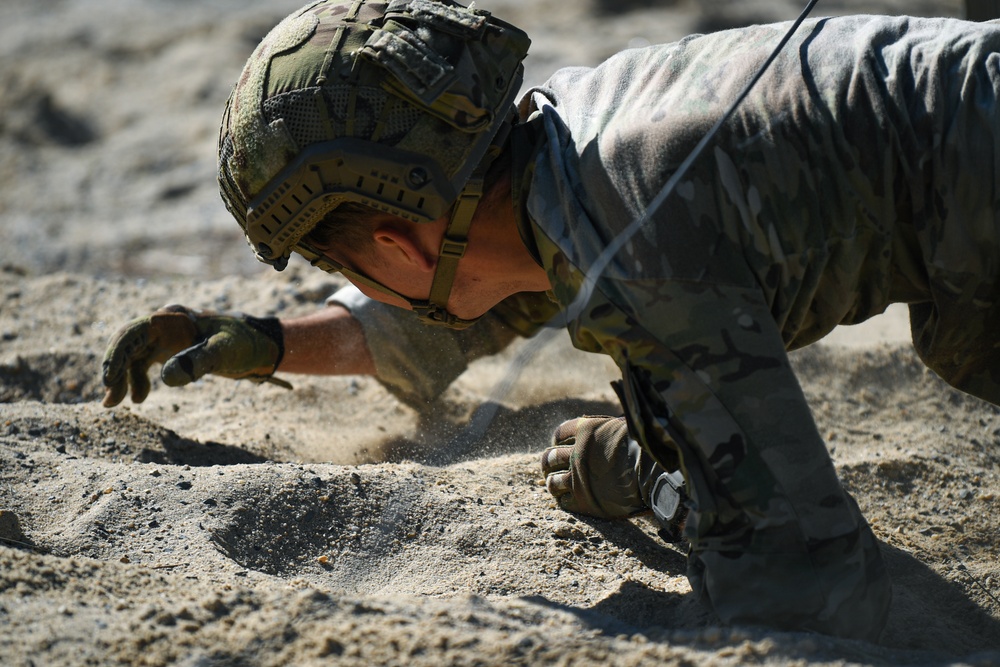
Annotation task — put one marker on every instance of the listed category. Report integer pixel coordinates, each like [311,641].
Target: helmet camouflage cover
[387,104]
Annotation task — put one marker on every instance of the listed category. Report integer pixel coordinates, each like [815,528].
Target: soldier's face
[403,258]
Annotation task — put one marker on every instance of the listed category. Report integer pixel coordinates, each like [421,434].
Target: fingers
[114,394]
[139,379]
[116,385]
[117,379]
[187,366]
[557,457]
[128,344]
[139,344]
[556,461]
[559,483]
[128,347]
[565,433]
[560,486]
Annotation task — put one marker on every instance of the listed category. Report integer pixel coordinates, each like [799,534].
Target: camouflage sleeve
[417,362]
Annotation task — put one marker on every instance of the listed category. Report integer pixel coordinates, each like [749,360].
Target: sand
[228,523]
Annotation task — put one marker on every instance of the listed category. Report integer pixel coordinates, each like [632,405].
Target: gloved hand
[592,468]
[190,344]
[595,468]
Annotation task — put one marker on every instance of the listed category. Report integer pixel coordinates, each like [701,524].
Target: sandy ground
[235,524]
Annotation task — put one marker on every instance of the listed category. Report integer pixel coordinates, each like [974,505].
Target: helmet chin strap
[453,244]
[456,239]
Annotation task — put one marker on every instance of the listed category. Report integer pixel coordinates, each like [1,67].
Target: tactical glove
[595,468]
[190,344]
[590,469]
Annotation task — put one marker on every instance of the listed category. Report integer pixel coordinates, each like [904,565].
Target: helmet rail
[327,174]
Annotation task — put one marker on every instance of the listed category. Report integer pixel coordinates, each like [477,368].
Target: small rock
[10,527]
[216,606]
[167,619]
[567,532]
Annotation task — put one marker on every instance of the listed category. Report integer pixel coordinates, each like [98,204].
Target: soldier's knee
[976,375]
[964,352]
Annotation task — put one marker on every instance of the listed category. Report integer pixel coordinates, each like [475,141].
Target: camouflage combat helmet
[397,105]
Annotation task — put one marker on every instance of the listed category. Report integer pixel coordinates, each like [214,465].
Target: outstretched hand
[189,344]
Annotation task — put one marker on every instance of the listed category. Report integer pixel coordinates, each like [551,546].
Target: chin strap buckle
[430,313]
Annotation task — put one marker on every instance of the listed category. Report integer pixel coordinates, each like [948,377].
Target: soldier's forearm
[327,342]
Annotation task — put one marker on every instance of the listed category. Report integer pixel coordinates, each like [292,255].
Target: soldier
[377,139]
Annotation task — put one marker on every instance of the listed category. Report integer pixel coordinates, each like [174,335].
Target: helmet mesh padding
[299,109]
[400,120]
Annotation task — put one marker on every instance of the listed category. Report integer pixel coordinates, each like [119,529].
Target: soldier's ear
[402,243]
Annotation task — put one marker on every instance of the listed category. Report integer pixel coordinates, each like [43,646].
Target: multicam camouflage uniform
[860,172]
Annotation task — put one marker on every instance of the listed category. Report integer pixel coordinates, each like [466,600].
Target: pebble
[10,527]
[566,531]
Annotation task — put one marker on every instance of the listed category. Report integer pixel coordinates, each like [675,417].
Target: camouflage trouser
[960,341]
[752,559]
